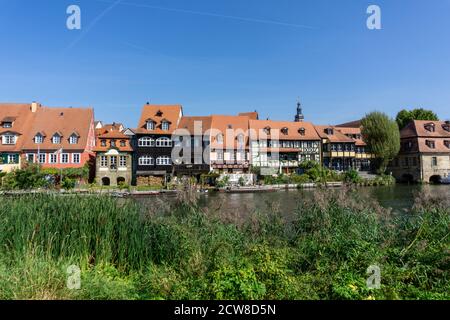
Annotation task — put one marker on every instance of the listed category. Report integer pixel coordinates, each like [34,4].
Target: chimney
[35,106]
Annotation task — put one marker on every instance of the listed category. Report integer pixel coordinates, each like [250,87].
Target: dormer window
[56,139]
[159,113]
[229,126]
[112,143]
[430,127]
[9,138]
[103,143]
[165,125]
[267,130]
[446,126]
[284,131]
[329,131]
[39,138]
[73,139]
[430,144]
[7,124]
[302,131]
[122,143]
[150,125]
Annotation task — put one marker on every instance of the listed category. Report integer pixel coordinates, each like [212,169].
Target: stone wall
[442,168]
[149,181]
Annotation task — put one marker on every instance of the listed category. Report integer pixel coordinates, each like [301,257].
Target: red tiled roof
[171,113]
[276,130]
[22,117]
[65,121]
[336,137]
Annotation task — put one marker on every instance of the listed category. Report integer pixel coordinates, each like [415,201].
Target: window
[219,155]
[64,158]
[430,127]
[73,139]
[7,124]
[112,143]
[76,157]
[38,138]
[103,161]
[232,155]
[447,143]
[13,158]
[219,138]
[103,143]
[434,162]
[9,139]
[406,162]
[41,157]
[302,131]
[56,139]
[53,158]
[163,161]
[122,161]
[430,144]
[150,125]
[285,131]
[163,142]
[146,142]
[30,158]
[165,125]
[122,143]
[267,130]
[113,162]
[146,161]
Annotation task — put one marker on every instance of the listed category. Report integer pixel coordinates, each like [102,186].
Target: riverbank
[125,251]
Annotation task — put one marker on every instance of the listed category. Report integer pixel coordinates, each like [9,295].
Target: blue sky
[228,56]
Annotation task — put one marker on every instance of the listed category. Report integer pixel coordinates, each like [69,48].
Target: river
[398,198]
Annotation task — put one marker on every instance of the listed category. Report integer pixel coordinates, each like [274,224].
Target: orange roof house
[15,120]
[155,118]
[60,137]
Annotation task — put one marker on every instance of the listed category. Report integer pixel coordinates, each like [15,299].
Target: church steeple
[299,116]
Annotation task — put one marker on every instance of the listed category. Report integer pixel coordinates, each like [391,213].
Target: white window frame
[123,161]
[56,139]
[104,161]
[9,139]
[163,161]
[39,138]
[163,142]
[146,161]
[53,158]
[28,157]
[7,124]
[73,139]
[44,157]
[165,125]
[11,157]
[150,125]
[79,158]
[62,158]
[146,142]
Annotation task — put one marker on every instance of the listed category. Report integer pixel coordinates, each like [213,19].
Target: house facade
[283,145]
[153,152]
[60,137]
[114,155]
[424,152]
[229,144]
[191,147]
[338,150]
[15,121]
[363,160]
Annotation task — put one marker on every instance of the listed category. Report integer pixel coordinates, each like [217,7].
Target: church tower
[299,116]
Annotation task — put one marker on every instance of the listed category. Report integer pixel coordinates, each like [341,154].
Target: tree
[405,116]
[382,137]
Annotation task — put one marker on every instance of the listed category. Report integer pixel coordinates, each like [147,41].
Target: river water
[399,198]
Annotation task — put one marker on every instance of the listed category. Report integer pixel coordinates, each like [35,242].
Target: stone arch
[435,179]
[120,180]
[106,181]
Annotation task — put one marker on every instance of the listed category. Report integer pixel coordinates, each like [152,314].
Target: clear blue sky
[227,56]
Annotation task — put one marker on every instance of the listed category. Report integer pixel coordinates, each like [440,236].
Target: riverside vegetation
[129,251]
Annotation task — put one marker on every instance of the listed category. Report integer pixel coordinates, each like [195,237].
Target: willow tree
[382,136]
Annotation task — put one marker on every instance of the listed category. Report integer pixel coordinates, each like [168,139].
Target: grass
[125,251]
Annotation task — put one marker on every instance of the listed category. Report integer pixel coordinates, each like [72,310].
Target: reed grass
[126,250]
